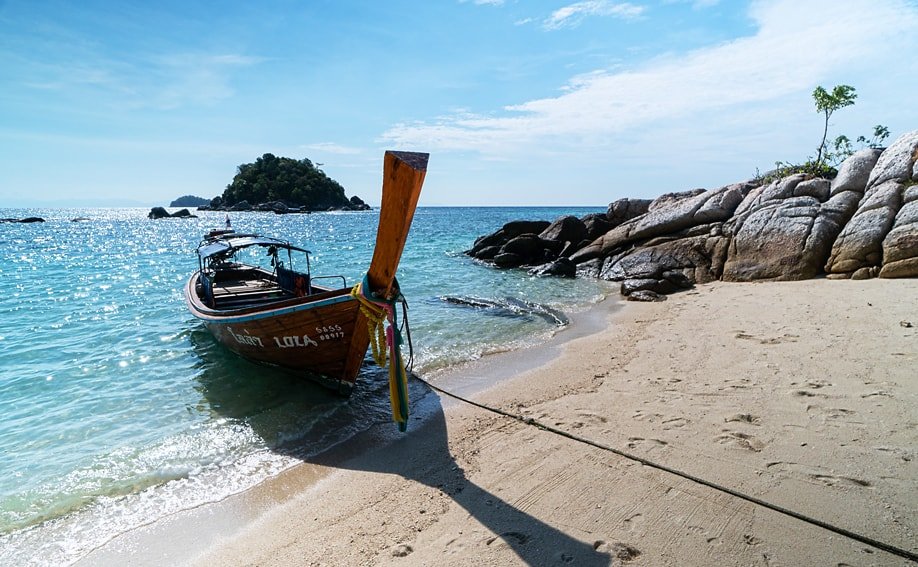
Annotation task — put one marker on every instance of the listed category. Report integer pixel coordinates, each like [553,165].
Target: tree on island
[190,201]
[297,183]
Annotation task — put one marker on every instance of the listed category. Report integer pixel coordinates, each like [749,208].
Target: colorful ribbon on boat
[378,310]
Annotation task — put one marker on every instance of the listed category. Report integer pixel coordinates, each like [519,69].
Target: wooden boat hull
[324,335]
[314,335]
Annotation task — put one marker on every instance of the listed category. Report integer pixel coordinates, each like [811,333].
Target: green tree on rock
[827,103]
[298,183]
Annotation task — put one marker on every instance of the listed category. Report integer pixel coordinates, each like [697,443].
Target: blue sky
[518,102]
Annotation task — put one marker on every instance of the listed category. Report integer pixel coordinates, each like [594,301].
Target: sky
[519,102]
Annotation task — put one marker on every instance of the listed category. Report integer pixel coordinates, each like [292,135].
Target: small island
[282,185]
[273,184]
[190,201]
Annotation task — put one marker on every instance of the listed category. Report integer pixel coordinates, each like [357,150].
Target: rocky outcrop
[358,204]
[900,247]
[161,213]
[861,246]
[670,213]
[25,220]
[863,223]
[787,231]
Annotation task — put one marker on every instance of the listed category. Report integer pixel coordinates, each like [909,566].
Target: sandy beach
[802,394]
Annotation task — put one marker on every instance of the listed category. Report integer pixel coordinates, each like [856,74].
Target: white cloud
[795,47]
[484,2]
[332,148]
[571,15]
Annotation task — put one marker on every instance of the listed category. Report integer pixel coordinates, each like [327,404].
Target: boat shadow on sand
[300,419]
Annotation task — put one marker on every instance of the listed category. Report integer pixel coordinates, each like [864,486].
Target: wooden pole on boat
[403,176]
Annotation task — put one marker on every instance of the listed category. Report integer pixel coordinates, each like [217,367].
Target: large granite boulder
[900,247]
[788,231]
[670,213]
[698,258]
[855,171]
[626,209]
[596,225]
[565,229]
[505,234]
[562,267]
[862,244]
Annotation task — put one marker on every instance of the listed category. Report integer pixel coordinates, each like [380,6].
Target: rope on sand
[904,553]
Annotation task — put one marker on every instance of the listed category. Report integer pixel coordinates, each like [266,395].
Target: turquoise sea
[118,408]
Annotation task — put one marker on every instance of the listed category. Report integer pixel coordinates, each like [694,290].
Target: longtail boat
[298,321]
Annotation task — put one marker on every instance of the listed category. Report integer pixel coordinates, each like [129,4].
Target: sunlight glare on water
[119,407]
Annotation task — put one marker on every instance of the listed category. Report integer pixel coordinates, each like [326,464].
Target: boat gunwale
[253,313]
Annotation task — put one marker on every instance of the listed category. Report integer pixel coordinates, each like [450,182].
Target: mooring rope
[646,462]
[378,310]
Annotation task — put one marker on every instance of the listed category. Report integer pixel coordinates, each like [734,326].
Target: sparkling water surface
[117,405]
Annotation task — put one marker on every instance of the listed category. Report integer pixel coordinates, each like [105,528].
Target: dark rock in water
[488,253]
[516,228]
[158,213]
[510,307]
[646,295]
[80,219]
[565,229]
[562,267]
[508,260]
[161,213]
[25,220]
[358,204]
[506,233]
[241,206]
[526,245]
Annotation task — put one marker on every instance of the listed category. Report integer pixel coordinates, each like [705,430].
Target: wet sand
[803,394]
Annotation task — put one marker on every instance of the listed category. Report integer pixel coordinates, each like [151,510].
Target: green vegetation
[827,103]
[829,157]
[297,183]
[190,201]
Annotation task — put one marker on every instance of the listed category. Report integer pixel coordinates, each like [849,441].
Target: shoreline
[191,531]
[798,393]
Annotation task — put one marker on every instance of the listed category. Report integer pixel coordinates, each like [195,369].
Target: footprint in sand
[592,417]
[740,439]
[509,537]
[785,338]
[817,475]
[674,422]
[633,522]
[743,418]
[642,415]
[834,480]
[634,442]
[621,551]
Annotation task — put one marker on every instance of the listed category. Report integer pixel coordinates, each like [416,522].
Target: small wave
[510,307]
